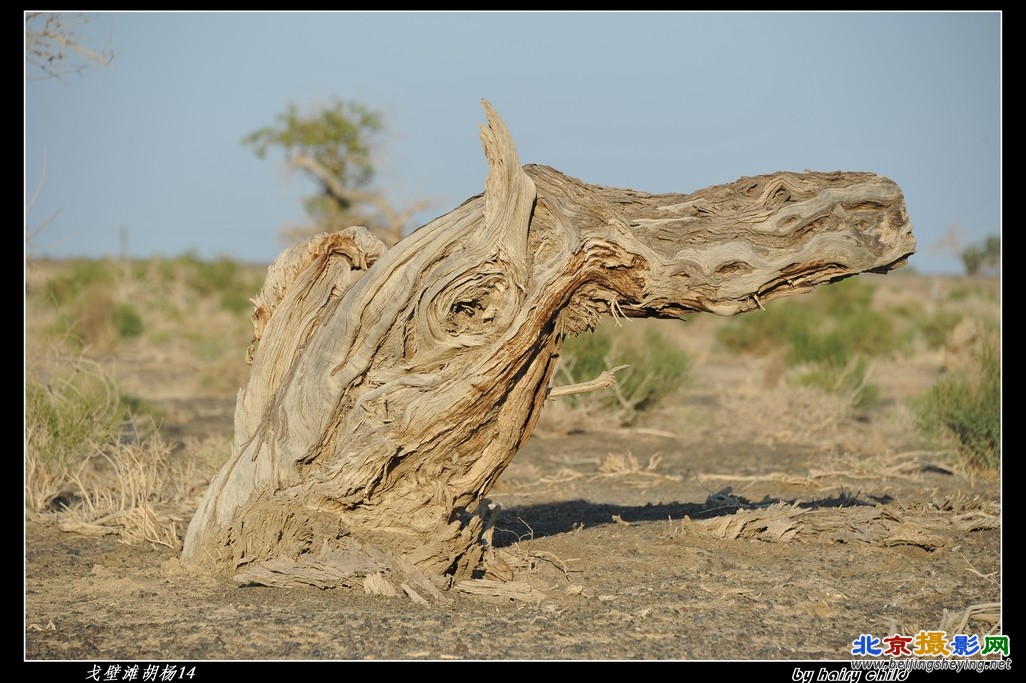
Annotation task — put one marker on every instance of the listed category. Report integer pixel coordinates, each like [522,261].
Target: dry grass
[88,461]
[626,464]
[517,572]
[87,458]
[786,414]
[123,488]
[72,408]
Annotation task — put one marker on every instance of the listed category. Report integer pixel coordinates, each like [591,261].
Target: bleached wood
[390,389]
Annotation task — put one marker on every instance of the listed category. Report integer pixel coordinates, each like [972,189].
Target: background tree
[985,257]
[333,146]
[54,46]
[992,253]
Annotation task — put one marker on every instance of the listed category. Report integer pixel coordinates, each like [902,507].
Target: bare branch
[56,48]
[393,222]
[30,233]
[606,379]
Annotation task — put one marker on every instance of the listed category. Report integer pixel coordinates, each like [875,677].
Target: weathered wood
[391,388]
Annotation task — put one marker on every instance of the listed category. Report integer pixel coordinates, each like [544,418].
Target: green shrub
[936,328]
[832,325]
[762,332]
[983,257]
[127,322]
[86,321]
[851,380]
[964,411]
[238,301]
[95,320]
[223,278]
[67,417]
[832,334]
[138,407]
[208,349]
[210,277]
[843,298]
[656,369]
[76,278]
[966,292]
[63,420]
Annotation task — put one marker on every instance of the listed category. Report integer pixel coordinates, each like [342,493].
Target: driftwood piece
[785,522]
[391,388]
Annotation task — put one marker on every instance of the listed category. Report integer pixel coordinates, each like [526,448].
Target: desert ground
[744,517]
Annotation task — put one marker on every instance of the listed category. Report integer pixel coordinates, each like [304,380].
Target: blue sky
[659,102]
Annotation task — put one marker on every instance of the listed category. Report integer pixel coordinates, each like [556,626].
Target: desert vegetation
[97,453]
[844,420]
[831,339]
[115,467]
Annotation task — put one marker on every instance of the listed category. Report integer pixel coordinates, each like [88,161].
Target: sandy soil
[745,520]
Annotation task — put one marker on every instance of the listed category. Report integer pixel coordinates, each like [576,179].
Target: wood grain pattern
[391,388]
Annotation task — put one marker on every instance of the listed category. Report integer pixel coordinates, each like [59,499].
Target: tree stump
[390,388]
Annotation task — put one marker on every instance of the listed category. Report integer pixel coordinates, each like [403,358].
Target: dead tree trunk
[390,389]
